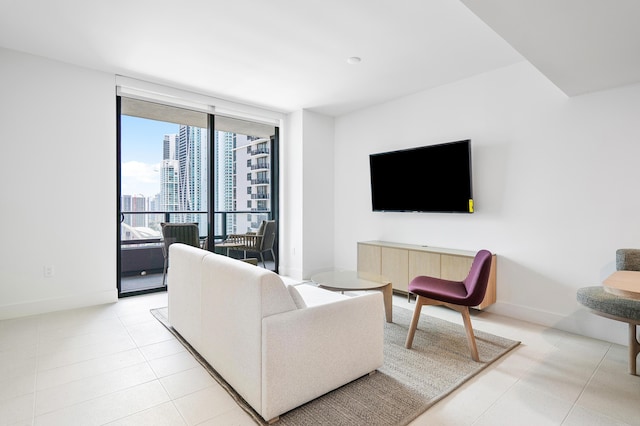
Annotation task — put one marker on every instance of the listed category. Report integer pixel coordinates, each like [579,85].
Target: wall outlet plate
[49,271]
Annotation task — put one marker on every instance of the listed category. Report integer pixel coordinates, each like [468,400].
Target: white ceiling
[581,45]
[288,55]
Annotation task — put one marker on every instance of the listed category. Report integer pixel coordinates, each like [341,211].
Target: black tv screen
[434,178]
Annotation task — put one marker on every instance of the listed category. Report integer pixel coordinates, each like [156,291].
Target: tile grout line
[36,372]
[171,399]
[508,389]
[146,361]
[584,388]
[94,358]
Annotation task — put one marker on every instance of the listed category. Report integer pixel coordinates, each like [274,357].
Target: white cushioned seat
[277,346]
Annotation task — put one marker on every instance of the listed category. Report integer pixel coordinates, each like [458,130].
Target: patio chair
[186,233]
[259,242]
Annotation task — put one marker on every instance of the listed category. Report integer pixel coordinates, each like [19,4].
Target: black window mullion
[210,184]
[275,188]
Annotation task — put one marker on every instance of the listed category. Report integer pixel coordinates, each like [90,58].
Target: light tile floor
[117,365]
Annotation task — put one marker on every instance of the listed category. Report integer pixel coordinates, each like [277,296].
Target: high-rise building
[170,147]
[138,204]
[169,185]
[189,157]
[133,203]
[125,206]
[253,181]
[155,205]
[169,175]
[241,178]
[224,144]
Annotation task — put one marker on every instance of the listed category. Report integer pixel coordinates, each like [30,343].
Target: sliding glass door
[181,166]
[245,182]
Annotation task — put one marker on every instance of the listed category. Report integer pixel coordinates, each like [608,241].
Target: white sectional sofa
[278,346]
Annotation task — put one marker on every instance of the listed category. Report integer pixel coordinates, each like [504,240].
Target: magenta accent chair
[457,295]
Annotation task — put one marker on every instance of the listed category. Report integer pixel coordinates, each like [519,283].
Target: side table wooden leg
[387,294]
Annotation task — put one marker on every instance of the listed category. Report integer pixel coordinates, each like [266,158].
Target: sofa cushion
[601,301]
[314,296]
[296,296]
[308,352]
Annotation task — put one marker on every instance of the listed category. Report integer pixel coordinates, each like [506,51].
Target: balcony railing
[147,223]
[260,151]
[141,252]
[259,196]
[261,181]
[148,231]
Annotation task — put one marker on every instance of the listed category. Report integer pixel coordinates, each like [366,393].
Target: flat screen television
[433,178]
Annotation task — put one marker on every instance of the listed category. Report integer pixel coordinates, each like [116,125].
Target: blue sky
[141,152]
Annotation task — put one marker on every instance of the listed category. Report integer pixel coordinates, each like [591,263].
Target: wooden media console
[400,263]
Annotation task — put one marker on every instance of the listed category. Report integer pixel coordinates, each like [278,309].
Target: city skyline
[165,169]
[173,175]
[141,154]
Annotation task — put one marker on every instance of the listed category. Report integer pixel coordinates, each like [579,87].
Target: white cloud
[140,178]
[143,172]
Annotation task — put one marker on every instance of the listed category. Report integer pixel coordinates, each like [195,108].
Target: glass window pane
[164,168]
[243,149]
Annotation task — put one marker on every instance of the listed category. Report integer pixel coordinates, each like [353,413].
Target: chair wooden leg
[466,318]
[414,323]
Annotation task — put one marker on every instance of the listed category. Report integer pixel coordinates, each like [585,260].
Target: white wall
[555,186]
[58,181]
[58,185]
[291,216]
[307,237]
[318,204]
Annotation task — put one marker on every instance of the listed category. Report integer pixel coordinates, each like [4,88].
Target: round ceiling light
[353,60]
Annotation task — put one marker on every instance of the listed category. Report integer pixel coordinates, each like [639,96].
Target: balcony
[141,255]
[260,166]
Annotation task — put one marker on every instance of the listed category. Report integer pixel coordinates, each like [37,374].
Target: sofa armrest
[309,352]
[185,292]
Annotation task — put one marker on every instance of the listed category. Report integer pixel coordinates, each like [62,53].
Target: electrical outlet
[49,271]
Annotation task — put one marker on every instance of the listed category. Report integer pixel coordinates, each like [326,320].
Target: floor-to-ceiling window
[245,179]
[182,166]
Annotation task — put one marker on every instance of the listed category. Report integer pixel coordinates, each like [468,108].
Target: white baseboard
[526,313]
[57,304]
[581,321]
